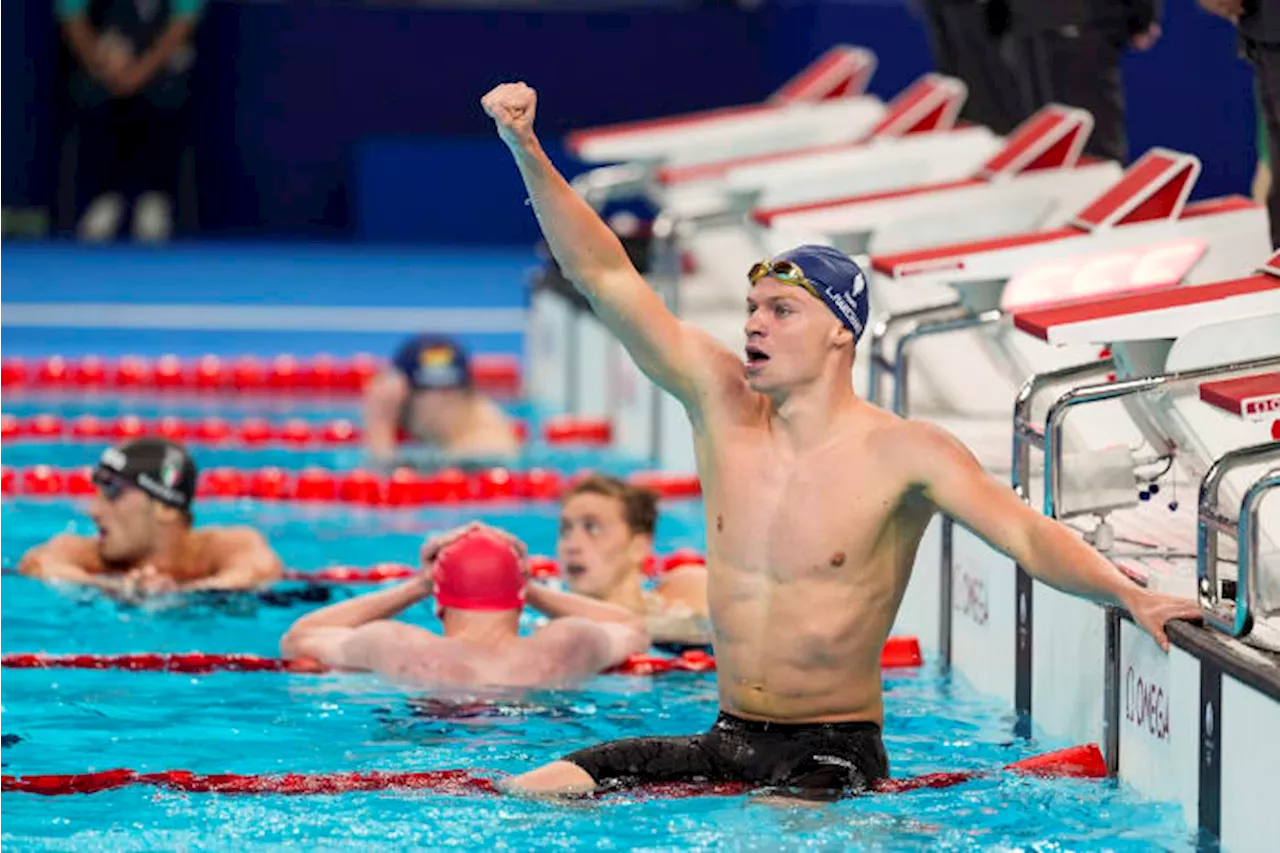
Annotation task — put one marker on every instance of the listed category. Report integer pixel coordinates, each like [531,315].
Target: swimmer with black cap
[815,503]
[427,390]
[479,578]
[147,543]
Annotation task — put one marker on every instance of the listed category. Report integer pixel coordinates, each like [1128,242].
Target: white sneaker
[102,220]
[152,218]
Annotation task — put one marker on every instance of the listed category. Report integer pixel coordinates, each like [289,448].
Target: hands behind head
[512,107]
[432,547]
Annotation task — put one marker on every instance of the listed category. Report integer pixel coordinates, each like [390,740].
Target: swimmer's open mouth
[755,355]
[575,570]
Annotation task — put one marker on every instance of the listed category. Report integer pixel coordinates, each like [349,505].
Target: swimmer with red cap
[478,576]
[147,542]
[427,391]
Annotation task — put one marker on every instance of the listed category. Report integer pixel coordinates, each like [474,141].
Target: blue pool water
[73,721]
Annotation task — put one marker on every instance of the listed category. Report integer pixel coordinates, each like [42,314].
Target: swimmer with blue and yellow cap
[427,391]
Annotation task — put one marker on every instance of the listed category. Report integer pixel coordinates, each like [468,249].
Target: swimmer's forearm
[582,244]
[247,574]
[371,607]
[557,604]
[53,569]
[1059,558]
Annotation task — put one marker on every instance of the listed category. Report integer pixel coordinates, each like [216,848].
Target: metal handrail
[1025,434]
[877,360]
[1087,394]
[1237,619]
[920,329]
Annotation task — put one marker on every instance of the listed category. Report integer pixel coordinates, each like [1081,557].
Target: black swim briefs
[822,761]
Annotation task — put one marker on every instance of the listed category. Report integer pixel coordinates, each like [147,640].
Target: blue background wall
[356,121]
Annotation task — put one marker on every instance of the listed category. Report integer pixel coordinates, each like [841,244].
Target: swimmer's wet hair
[639,505]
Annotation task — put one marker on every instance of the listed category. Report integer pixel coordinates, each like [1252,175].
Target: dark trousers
[965,46]
[129,146]
[1079,68]
[1266,67]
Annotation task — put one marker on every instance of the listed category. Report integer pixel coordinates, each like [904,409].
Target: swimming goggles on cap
[787,272]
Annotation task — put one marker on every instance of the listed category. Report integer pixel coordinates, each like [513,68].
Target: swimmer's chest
[799,516]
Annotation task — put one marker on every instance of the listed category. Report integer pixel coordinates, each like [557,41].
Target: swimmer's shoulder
[212,546]
[574,643]
[913,450]
[684,586]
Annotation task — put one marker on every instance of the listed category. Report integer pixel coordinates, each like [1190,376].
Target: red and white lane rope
[565,431]
[1077,762]
[279,374]
[898,653]
[403,487]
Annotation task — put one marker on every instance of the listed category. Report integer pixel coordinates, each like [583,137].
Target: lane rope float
[321,374]
[250,432]
[1077,762]
[898,652]
[402,487]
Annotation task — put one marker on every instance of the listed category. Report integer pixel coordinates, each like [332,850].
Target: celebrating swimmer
[479,578]
[606,537]
[815,504]
[427,390]
[147,543]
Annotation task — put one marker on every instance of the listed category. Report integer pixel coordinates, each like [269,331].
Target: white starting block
[1037,181]
[1159,340]
[823,104]
[1141,232]
[917,140]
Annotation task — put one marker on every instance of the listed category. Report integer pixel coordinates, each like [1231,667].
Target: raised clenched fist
[511,106]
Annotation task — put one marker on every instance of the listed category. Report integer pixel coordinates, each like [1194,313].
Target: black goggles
[111,484]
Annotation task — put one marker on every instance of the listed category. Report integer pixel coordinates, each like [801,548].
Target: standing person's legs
[100,168]
[157,151]
[965,46]
[1266,65]
[1080,68]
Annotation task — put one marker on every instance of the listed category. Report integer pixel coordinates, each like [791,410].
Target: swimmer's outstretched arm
[672,355]
[329,634]
[956,483]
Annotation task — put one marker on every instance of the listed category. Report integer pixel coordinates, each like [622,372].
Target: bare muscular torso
[809,553]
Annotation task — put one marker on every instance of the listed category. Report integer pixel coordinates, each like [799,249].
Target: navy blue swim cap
[432,362]
[828,274]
